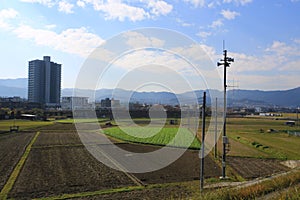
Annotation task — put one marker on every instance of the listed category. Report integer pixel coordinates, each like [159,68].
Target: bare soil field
[186,168]
[53,171]
[250,168]
[59,164]
[12,146]
[58,127]
[67,138]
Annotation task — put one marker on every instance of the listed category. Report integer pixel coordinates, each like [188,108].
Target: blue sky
[262,36]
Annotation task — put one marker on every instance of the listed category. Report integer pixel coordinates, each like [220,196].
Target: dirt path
[246,183]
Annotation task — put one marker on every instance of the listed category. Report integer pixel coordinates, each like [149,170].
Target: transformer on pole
[226,63]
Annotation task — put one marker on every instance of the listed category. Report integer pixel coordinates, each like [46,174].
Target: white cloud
[64,6]
[183,23]
[282,49]
[5,15]
[80,4]
[292,66]
[196,52]
[227,14]
[179,59]
[50,26]
[276,67]
[204,34]
[115,9]
[8,13]
[122,10]
[238,2]
[217,23]
[154,64]
[297,41]
[266,82]
[137,40]
[48,3]
[267,71]
[247,63]
[147,57]
[196,3]
[213,4]
[75,41]
[159,7]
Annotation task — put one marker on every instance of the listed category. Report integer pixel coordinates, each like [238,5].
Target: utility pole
[297,110]
[226,63]
[202,143]
[216,130]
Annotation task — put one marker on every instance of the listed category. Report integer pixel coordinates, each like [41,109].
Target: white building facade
[68,103]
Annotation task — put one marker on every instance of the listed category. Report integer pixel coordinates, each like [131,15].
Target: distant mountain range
[284,98]
[13,87]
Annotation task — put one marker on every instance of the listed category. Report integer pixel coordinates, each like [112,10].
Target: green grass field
[253,134]
[249,137]
[83,120]
[23,124]
[163,137]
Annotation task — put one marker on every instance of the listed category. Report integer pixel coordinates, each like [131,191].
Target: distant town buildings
[17,102]
[105,103]
[108,103]
[68,103]
[44,82]
[14,99]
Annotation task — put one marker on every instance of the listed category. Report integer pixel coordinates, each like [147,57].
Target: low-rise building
[68,103]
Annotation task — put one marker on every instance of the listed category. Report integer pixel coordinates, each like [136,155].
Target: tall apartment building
[44,82]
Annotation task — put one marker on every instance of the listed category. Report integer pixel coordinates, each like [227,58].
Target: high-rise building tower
[44,82]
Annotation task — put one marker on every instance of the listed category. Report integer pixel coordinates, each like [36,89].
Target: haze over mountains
[284,98]
[13,87]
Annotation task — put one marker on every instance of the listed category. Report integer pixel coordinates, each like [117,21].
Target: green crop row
[171,136]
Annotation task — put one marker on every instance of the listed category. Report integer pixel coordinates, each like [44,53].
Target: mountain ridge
[237,97]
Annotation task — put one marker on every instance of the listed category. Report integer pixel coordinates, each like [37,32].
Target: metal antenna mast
[226,63]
